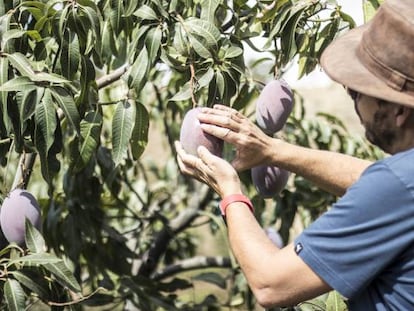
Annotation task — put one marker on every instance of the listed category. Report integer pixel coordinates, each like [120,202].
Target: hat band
[392,78]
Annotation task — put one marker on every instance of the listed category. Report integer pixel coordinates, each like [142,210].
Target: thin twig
[200,262]
[61,304]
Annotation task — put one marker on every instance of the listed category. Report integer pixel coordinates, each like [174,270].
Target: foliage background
[80,84]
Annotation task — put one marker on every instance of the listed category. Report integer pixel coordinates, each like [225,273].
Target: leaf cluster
[81,82]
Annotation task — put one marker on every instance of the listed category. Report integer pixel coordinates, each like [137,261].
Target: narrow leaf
[14,295]
[138,71]
[213,278]
[208,10]
[203,29]
[4,77]
[35,259]
[34,239]
[122,124]
[63,275]
[28,282]
[17,84]
[21,64]
[46,128]
[199,47]
[153,42]
[45,117]
[69,57]
[66,102]
[146,13]
[139,138]
[116,15]
[90,128]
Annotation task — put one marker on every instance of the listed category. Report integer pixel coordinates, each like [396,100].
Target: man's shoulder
[403,161]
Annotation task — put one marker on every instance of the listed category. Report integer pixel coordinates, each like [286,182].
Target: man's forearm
[331,171]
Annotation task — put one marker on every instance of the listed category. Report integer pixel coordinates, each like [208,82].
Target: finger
[205,155]
[233,113]
[224,119]
[179,149]
[223,133]
[186,160]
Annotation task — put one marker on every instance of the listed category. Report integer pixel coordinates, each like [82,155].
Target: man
[363,247]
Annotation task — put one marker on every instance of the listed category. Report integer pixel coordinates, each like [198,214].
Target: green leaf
[108,47]
[36,259]
[138,71]
[205,78]
[63,275]
[180,42]
[45,117]
[139,137]
[153,43]
[90,10]
[66,102]
[199,47]
[370,7]
[204,29]
[213,278]
[335,302]
[220,82]
[208,10]
[44,136]
[288,43]
[12,34]
[14,295]
[17,84]
[116,15]
[232,52]
[34,239]
[122,125]
[183,94]
[69,57]
[146,13]
[30,100]
[28,282]
[87,81]
[90,128]
[4,78]
[21,64]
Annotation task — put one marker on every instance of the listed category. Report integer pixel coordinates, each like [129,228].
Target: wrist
[233,198]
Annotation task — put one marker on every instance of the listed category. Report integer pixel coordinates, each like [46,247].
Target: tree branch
[176,225]
[24,171]
[112,77]
[200,262]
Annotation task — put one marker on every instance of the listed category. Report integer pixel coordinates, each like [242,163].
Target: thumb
[203,153]
[237,164]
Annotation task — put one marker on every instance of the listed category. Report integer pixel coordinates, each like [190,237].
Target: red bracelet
[234,198]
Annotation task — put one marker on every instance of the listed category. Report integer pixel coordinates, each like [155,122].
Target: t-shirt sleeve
[361,234]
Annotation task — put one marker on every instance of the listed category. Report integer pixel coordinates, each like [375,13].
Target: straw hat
[377,59]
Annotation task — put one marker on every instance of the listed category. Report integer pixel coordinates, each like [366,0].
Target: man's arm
[334,172]
[277,277]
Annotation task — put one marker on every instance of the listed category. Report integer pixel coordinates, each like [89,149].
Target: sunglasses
[352,93]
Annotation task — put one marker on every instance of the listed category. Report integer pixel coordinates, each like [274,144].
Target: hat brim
[341,63]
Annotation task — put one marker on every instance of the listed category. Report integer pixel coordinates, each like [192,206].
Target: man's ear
[402,114]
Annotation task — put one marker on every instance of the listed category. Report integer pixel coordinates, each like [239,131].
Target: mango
[192,136]
[273,106]
[269,181]
[18,206]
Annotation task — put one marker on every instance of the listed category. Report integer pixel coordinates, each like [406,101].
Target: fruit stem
[192,79]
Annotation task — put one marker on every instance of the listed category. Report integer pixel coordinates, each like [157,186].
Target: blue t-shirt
[363,247]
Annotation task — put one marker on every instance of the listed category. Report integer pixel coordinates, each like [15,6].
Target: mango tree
[81,81]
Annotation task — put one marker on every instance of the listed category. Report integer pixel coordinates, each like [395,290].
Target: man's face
[376,118]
